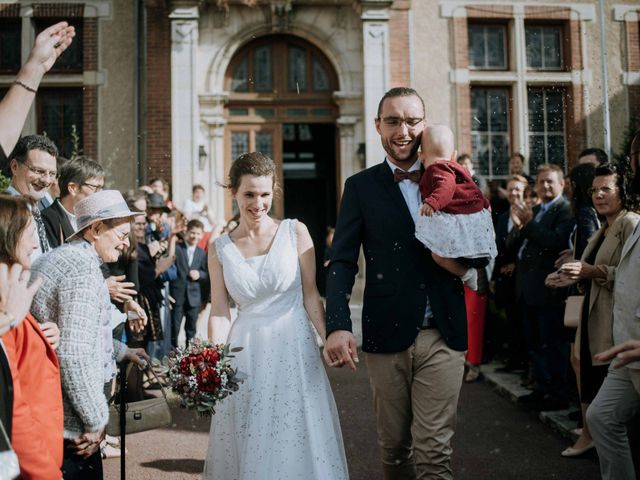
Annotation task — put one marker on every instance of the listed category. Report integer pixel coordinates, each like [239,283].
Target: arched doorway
[281,103]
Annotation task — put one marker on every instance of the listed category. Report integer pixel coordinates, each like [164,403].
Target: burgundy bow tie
[399,175]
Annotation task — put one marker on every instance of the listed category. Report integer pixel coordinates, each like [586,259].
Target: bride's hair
[254,163]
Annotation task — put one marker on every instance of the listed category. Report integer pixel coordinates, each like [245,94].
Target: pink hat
[103,205]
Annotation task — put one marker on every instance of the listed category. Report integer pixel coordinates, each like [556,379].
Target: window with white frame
[490,130]
[488,46]
[546,127]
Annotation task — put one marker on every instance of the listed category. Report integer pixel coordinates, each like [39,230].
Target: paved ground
[495,440]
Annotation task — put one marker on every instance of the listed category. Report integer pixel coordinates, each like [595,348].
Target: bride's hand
[327,359]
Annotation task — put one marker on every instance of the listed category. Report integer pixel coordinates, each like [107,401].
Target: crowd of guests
[570,238]
[89,280]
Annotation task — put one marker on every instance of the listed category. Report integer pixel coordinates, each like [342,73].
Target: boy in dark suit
[191,262]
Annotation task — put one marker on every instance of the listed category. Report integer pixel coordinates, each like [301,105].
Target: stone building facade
[178,88]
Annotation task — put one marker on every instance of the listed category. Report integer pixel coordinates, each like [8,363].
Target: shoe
[109,451]
[470,278]
[113,441]
[472,374]
[576,452]
[577,431]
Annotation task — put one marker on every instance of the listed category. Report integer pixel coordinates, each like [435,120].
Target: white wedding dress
[282,424]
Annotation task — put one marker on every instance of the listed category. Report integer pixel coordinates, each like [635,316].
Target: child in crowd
[191,262]
[454,222]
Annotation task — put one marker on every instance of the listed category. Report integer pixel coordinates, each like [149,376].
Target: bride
[283,422]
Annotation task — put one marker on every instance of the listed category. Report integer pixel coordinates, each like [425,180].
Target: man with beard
[413,318]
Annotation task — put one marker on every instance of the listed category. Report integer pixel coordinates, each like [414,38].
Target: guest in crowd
[596,272]
[466,162]
[516,167]
[191,263]
[618,400]
[54,189]
[33,170]
[594,156]
[78,179]
[541,233]
[74,295]
[37,397]
[161,187]
[503,285]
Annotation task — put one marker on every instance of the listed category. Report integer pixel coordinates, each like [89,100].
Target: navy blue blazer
[400,271]
[183,289]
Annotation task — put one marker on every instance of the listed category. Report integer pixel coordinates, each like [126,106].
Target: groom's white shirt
[411,193]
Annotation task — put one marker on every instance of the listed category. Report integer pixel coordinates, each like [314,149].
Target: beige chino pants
[415,394]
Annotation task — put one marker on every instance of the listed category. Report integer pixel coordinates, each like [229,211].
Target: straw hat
[103,205]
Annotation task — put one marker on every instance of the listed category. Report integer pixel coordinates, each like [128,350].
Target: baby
[454,222]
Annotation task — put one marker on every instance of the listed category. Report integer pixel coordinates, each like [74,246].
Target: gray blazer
[626,306]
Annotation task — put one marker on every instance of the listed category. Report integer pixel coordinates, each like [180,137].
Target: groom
[413,319]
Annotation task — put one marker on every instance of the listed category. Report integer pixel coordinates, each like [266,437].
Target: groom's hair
[400,92]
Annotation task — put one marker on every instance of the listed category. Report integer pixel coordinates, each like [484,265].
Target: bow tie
[399,175]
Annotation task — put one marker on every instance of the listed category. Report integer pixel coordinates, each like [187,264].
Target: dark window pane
[320,77]
[60,112]
[264,143]
[297,68]
[555,111]
[555,147]
[476,46]
[239,144]
[490,129]
[239,81]
[536,111]
[71,59]
[536,152]
[546,126]
[487,46]
[262,70]
[544,48]
[10,42]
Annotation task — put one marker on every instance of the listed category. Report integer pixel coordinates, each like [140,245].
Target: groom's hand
[341,349]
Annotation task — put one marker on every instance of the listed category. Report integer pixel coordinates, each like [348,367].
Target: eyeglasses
[395,122]
[606,190]
[52,174]
[95,188]
[122,237]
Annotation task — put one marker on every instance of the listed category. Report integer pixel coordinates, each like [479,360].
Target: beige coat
[600,322]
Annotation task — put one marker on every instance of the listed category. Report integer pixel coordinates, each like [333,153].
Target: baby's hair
[438,141]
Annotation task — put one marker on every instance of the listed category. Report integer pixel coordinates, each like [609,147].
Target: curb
[508,385]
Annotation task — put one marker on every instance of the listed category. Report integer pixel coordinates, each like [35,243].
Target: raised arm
[220,316]
[15,105]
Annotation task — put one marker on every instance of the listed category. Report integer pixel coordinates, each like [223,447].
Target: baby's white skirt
[460,235]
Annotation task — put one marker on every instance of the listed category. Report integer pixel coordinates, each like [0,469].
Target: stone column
[184,99]
[348,147]
[375,43]
[212,116]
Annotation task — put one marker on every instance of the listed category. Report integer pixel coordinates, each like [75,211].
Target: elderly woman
[74,295]
[37,398]
[596,272]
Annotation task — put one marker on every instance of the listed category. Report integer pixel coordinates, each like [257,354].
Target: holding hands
[340,349]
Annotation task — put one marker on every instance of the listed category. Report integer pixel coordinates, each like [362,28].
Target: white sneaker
[470,278]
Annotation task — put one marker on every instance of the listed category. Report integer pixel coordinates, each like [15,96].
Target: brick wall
[399,61]
[158,94]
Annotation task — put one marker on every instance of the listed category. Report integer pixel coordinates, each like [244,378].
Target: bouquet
[202,375]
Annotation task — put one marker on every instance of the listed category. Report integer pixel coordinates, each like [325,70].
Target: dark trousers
[548,348]
[191,316]
[75,467]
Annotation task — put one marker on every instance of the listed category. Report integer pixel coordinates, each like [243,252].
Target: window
[71,60]
[544,47]
[239,144]
[10,45]
[59,111]
[546,127]
[490,130]
[488,46]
